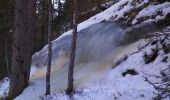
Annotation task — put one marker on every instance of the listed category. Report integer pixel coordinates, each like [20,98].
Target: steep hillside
[135,77]
[111,63]
[132,12]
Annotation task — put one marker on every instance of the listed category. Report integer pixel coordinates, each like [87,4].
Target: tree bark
[8,49]
[30,33]
[44,28]
[22,47]
[73,51]
[49,49]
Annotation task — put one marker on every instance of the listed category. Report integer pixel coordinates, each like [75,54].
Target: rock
[129,71]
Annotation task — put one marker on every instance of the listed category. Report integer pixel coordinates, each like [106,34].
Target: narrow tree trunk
[59,7]
[73,51]
[52,23]
[7,52]
[60,19]
[22,47]
[43,23]
[49,49]
[31,31]
[44,26]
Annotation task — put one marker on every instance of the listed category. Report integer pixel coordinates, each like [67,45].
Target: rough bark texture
[49,49]
[22,46]
[73,51]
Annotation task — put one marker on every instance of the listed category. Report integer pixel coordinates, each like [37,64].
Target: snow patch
[4,87]
[159,10]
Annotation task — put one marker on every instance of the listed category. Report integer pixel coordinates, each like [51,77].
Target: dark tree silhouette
[22,46]
[73,51]
[49,48]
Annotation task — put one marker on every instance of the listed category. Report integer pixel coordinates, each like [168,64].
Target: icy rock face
[59,48]
[94,44]
[94,40]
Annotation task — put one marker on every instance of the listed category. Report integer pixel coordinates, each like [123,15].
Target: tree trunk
[59,7]
[8,50]
[30,33]
[49,49]
[52,23]
[45,18]
[22,47]
[43,23]
[73,51]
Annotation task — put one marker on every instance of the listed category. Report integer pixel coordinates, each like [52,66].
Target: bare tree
[22,47]
[73,50]
[49,48]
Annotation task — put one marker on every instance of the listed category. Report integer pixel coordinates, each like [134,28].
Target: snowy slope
[113,85]
[117,11]
[153,12]
[123,10]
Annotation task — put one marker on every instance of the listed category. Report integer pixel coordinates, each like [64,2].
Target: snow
[153,10]
[104,16]
[115,12]
[115,86]
[120,13]
[110,85]
[4,87]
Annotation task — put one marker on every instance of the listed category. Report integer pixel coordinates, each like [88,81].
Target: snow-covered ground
[4,84]
[110,84]
[117,11]
[154,12]
[115,86]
